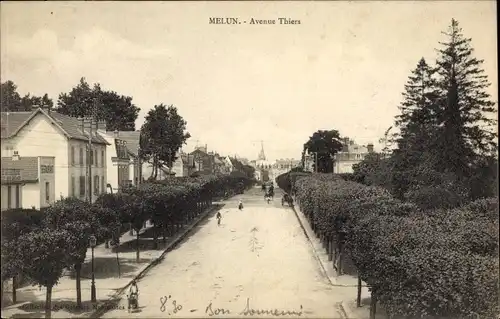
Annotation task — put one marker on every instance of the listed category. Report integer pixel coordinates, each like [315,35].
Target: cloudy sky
[343,67]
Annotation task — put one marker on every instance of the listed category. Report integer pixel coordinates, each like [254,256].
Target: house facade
[118,160]
[351,154]
[42,133]
[27,182]
[203,162]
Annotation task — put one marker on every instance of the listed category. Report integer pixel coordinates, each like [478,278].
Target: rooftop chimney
[16,156]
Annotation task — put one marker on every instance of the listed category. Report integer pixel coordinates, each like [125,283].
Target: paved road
[257,259]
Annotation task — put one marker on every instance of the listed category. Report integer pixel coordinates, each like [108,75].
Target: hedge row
[418,263]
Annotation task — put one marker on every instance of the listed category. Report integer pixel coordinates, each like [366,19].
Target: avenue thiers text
[288,21]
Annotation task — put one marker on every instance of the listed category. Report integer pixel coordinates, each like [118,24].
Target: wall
[46,175]
[5,196]
[42,138]
[31,195]
[78,168]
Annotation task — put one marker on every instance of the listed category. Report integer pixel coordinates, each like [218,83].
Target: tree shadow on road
[107,267]
[207,219]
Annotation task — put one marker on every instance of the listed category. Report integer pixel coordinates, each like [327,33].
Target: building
[351,154]
[27,182]
[118,160]
[263,167]
[204,162]
[131,139]
[282,166]
[42,133]
[184,165]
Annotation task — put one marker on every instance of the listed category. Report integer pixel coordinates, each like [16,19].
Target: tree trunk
[14,289]
[137,246]
[163,233]
[339,268]
[1,293]
[118,264]
[48,302]
[78,273]
[373,306]
[330,249]
[359,291]
[155,236]
[131,232]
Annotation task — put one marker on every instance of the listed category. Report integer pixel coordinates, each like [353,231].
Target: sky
[343,67]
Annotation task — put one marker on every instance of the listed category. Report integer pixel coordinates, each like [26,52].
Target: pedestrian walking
[219,217]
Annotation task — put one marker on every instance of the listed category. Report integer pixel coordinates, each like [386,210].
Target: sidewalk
[349,307]
[109,278]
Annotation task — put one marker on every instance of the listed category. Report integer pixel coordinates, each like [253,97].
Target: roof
[13,122]
[24,169]
[132,139]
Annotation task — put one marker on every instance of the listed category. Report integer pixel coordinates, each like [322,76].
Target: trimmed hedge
[417,261]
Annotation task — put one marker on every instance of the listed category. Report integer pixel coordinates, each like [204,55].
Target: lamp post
[93,243]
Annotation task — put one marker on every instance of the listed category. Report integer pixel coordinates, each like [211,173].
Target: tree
[116,110]
[28,101]
[42,254]
[162,135]
[12,101]
[466,109]
[324,145]
[80,221]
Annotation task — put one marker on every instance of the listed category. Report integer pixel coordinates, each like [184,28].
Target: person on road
[133,288]
[133,297]
[219,217]
[240,205]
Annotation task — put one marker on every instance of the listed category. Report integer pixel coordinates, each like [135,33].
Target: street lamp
[93,243]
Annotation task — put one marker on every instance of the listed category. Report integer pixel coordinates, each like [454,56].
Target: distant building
[351,154]
[282,166]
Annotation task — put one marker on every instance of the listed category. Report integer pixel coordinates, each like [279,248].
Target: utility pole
[90,153]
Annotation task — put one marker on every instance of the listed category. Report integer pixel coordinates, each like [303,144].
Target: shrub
[418,262]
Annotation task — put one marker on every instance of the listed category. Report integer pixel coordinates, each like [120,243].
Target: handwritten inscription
[163,304]
[248,311]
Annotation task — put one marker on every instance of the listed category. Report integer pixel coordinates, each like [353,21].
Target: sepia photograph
[249,159]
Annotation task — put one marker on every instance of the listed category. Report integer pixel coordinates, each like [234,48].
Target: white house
[351,154]
[42,133]
[27,182]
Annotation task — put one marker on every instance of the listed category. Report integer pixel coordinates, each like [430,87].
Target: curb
[316,255]
[108,304]
[312,246]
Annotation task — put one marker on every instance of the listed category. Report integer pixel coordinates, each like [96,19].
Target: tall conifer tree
[466,115]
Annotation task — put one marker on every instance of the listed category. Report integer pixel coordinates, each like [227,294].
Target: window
[82,186]
[9,197]
[96,185]
[94,158]
[47,192]
[103,185]
[18,195]
[72,155]
[102,159]
[73,192]
[81,157]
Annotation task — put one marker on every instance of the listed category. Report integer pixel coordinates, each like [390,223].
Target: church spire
[262,156]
